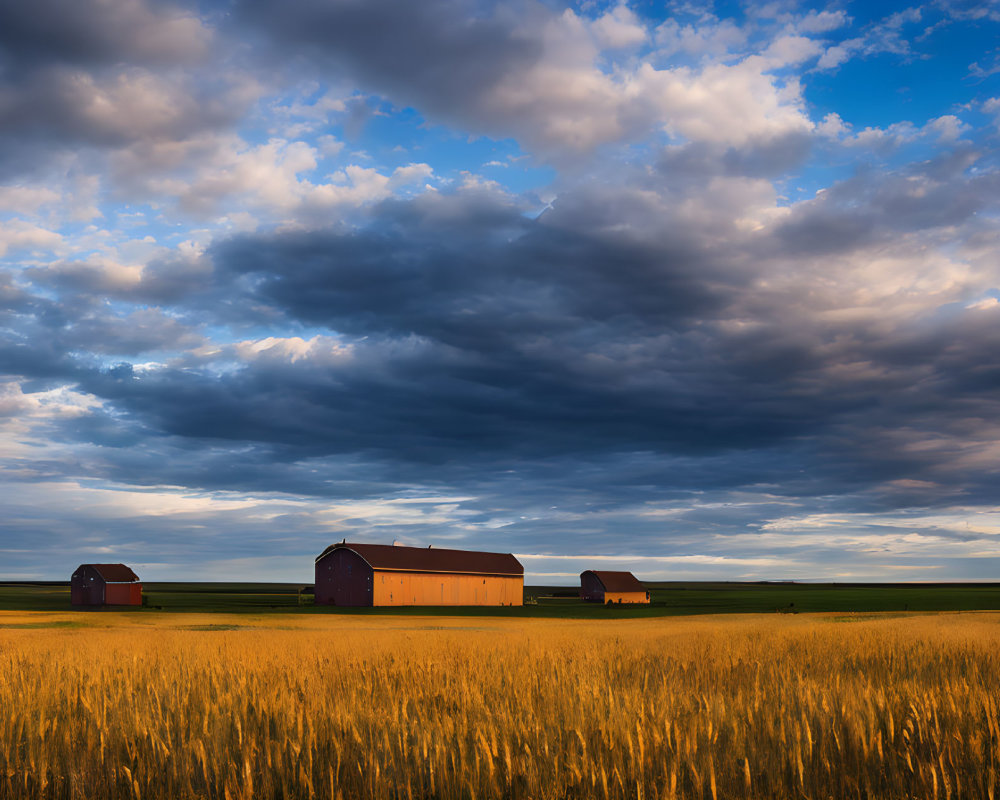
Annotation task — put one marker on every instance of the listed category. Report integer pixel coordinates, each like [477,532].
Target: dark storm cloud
[768,158]
[612,347]
[140,331]
[28,346]
[542,341]
[63,336]
[458,283]
[163,281]
[479,335]
[487,341]
[105,110]
[438,55]
[104,74]
[574,334]
[561,80]
[96,32]
[523,70]
[876,206]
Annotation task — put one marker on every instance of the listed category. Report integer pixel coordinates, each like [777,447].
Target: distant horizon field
[669,598]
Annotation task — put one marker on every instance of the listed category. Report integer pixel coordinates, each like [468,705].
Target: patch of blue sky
[950,312]
[870,12]
[808,183]
[372,133]
[681,10]
[398,137]
[124,362]
[222,334]
[932,80]
[165,226]
[131,217]
[517,174]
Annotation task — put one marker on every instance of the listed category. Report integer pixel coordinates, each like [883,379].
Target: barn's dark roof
[617,581]
[113,573]
[432,559]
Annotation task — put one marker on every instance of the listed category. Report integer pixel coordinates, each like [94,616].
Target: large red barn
[612,587]
[389,575]
[105,585]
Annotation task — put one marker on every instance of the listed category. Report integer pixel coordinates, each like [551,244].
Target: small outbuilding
[389,575]
[611,587]
[105,585]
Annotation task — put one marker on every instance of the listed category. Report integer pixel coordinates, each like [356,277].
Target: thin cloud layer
[573,282]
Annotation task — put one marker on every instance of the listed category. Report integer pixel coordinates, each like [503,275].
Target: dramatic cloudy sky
[698,291]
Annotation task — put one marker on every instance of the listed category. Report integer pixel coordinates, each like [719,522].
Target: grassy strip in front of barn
[786,597]
[668,599]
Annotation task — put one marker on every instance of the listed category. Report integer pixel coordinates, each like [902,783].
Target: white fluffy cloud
[566,101]
[731,105]
[619,28]
[19,235]
[276,180]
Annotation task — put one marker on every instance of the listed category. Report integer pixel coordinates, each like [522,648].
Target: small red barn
[388,575]
[105,585]
[612,587]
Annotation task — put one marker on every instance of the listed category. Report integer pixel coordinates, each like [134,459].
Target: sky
[698,291]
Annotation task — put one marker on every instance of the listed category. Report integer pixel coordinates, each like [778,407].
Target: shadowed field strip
[232,706]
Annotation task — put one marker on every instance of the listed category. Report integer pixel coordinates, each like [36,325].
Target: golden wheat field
[215,706]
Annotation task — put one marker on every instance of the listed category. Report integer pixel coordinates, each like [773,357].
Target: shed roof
[431,559]
[113,573]
[617,581]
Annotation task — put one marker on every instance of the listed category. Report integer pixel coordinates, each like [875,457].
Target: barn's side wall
[123,594]
[86,588]
[446,589]
[626,597]
[343,578]
[591,588]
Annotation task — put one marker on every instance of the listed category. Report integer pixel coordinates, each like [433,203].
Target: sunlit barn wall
[435,589]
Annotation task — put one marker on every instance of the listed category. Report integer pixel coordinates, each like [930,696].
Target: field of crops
[106,705]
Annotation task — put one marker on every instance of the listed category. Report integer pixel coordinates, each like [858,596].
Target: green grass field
[668,599]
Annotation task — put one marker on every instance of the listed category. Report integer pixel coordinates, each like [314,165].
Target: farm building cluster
[350,574]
